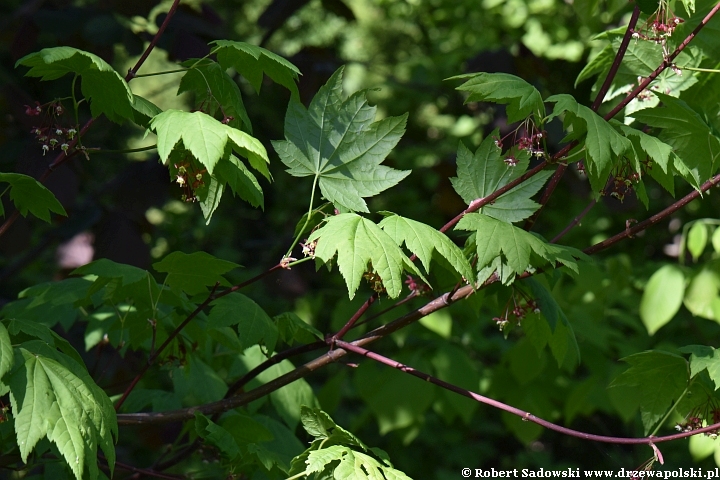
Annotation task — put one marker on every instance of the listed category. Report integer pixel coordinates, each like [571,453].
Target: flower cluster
[374,280]
[708,413]
[189,179]
[530,140]
[417,287]
[308,248]
[51,133]
[658,27]
[518,313]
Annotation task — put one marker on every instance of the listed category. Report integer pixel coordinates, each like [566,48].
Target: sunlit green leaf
[662,297]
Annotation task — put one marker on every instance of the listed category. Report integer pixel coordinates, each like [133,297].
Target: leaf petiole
[307,220]
[166,72]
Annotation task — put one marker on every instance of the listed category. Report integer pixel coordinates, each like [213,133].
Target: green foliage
[253,324]
[662,298]
[659,378]
[332,444]
[517,250]
[339,143]
[29,195]
[193,272]
[483,173]
[602,144]
[362,247]
[521,98]
[104,88]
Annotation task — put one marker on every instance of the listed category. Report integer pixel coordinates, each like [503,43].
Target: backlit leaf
[697,239]
[521,98]
[362,246]
[662,297]
[704,358]
[104,88]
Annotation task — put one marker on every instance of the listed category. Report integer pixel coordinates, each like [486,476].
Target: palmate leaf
[702,358]
[252,61]
[205,138]
[361,245]
[54,397]
[522,99]
[423,240]
[104,88]
[253,324]
[339,143]
[29,195]
[691,138]
[214,89]
[494,238]
[660,378]
[603,144]
[483,173]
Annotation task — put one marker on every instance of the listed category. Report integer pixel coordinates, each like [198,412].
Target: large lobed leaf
[340,144]
[104,88]
[29,195]
[361,245]
[193,272]
[205,138]
[483,173]
[423,240]
[603,144]
[521,98]
[52,396]
[494,238]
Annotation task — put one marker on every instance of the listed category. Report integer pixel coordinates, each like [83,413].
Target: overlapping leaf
[205,138]
[29,195]
[602,142]
[695,143]
[521,98]
[193,272]
[338,142]
[494,238]
[54,397]
[660,378]
[253,324]
[214,89]
[361,245]
[483,173]
[252,61]
[423,240]
[703,357]
[104,88]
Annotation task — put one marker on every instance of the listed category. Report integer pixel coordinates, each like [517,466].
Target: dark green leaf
[105,89]
[339,143]
[193,272]
[253,324]
[251,62]
[659,377]
[29,195]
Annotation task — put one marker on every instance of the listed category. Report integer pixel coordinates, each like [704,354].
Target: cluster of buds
[622,184]
[530,142]
[519,311]
[695,419]
[189,179]
[419,288]
[308,248]
[375,281]
[659,27]
[51,134]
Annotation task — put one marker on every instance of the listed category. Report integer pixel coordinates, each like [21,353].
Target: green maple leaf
[241,180]
[207,139]
[483,173]
[358,242]
[29,195]
[54,397]
[494,238]
[423,240]
[692,139]
[215,90]
[193,272]
[252,61]
[104,88]
[702,358]
[521,98]
[603,144]
[660,377]
[338,143]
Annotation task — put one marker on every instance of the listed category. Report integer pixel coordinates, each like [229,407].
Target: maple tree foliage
[472,302]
